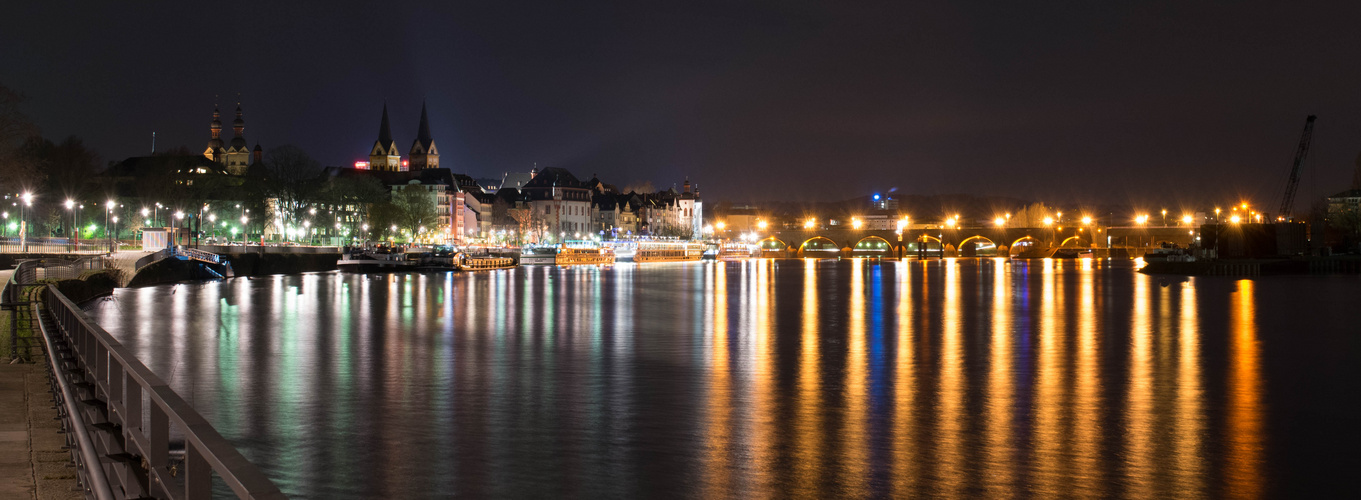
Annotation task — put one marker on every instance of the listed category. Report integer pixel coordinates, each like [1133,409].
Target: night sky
[1166,102]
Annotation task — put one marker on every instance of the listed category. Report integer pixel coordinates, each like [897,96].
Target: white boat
[567,254]
[668,251]
[538,255]
[737,251]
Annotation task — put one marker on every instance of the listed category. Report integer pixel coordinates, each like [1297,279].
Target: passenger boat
[572,254]
[467,262]
[1072,253]
[376,258]
[667,251]
[736,251]
[538,255]
[1168,252]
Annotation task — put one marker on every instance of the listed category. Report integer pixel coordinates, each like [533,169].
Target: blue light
[876,196]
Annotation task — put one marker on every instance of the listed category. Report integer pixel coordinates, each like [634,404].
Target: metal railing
[46,244]
[133,449]
[15,298]
[197,254]
[69,269]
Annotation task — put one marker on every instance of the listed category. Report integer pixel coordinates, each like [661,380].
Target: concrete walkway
[32,463]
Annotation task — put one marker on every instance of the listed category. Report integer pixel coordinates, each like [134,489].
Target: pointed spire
[216,125]
[239,125]
[384,130]
[423,134]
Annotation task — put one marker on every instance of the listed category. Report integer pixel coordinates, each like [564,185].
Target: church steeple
[384,155]
[215,151]
[237,157]
[423,152]
[239,125]
[216,126]
[385,130]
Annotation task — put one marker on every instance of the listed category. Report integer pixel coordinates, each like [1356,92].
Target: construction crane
[1288,202]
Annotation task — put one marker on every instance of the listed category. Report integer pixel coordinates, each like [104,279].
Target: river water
[768,378]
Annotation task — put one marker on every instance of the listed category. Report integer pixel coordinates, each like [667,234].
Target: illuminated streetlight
[1086,221]
[720,225]
[999,222]
[1186,219]
[856,223]
[761,224]
[1235,219]
[808,224]
[1048,221]
[1141,219]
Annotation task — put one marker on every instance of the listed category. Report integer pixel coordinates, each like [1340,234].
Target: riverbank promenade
[33,464]
[32,461]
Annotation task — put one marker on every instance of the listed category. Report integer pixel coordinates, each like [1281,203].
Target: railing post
[132,404]
[159,437]
[198,476]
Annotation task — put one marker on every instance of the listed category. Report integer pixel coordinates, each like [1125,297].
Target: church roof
[385,130]
[423,133]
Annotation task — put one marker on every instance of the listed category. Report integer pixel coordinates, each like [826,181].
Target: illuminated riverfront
[852,377]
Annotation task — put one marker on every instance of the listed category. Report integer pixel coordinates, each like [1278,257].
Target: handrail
[94,480]
[118,375]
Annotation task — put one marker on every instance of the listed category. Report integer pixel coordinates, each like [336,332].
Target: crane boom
[1288,203]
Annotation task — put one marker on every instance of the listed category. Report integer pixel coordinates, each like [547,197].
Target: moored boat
[584,254]
[376,258]
[736,251]
[667,251]
[538,255]
[467,262]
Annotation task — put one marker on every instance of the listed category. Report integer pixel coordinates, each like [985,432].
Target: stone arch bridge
[977,241]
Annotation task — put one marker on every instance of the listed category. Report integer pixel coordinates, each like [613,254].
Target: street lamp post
[70,233]
[108,215]
[23,221]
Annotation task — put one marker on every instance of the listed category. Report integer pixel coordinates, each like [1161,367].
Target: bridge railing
[136,447]
[195,253]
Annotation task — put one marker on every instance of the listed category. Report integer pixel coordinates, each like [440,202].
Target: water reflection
[808,378]
[1244,447]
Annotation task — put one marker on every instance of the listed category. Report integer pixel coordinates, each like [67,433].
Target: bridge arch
[819,244]
[924,245]
[1076,240]
[1025,242]
[977,237]
[873,245]
[772,243]
[977,248]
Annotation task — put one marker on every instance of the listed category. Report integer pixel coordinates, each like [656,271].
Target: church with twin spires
[235,156]
[387,158]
